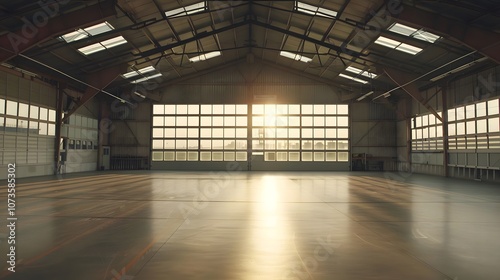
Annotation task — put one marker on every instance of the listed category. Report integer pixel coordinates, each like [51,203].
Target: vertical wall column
[444,93]
[57,141]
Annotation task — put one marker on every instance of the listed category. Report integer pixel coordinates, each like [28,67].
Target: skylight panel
[353,78]
[97,47]
[397,45]
[146,78]
[188,10]
[419,34]
[138,72]
[295,56]
[314,10]
[87,32]
[205,56]
[361,72]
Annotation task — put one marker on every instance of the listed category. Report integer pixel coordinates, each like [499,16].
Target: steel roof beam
[482,40]
[47,26]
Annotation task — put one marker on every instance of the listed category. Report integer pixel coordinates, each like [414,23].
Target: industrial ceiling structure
[362,46]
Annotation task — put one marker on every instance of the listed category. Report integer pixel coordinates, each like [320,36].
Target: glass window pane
[294,121]
[181,144]
[205,156]
[206,121]
[432,119]
[270,120]
[270,109]
[331,156]
[343,133]
[281,133]
[43,129]
[258,109]
[180,121]
[157,144]
[307,109]
[218,144]
[343,157]
[331,133]
[494,125]
[425,120]
[331,109]
[319,133]
[307,145]
[343,145]
[181,133]
[439,131]
[229,156]
[294,109]
[159,110]
[451,115]
[218,109]
[193,144]
[52,115]
[169,121]
[193,109]
[218,121]
[23,110]
[157,156]
[241,144]
[2,106]
[206,132]
[218,132]
[493,107]
[481,109]
[270,156]
[229,144]
[294,144]
[470,111]
[217,156]
[418,122]
[307,121]
[157,121]
[270,133]
[307,156]
[180,156]
[281,156]
[257,144]
[206,109]
[157,132]
[319,121]
[193,133]
[169,156]
[169,132]
[319,145]
[241,133]
[282,144]
[193,121]
[169,144]
[229,121]
[170,110]
[229,133]
[293,133]
[343,121]
[182,109]
[229,109]
[460,113]
[452,130]
[282,121]
[281,109]
[319,156]
[11,108]
[205,144]
[192,156]
[241,109]
[294,156]
[342,109]
[482,126]
[241,121]
[307,133]
[258,121]
[461,128]
[331,145]
[319,109]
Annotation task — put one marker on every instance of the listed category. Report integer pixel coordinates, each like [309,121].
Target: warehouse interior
[313,139]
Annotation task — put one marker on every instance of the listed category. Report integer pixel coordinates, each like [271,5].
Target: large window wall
[427,133]
[474,126]
[280,132]
[26,133]
[293,132]
[208,132]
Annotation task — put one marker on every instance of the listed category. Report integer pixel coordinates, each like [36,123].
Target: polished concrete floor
[217,225]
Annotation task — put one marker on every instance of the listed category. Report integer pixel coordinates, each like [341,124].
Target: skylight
[97,47]
[184,11]
[205,56]
[314,10]
[353,78]
[138,72]
[146,78]
[87,32]
[361,72]
[397,45]
[414,33]
[295,56]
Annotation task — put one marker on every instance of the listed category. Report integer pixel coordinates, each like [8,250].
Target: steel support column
[33,33]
